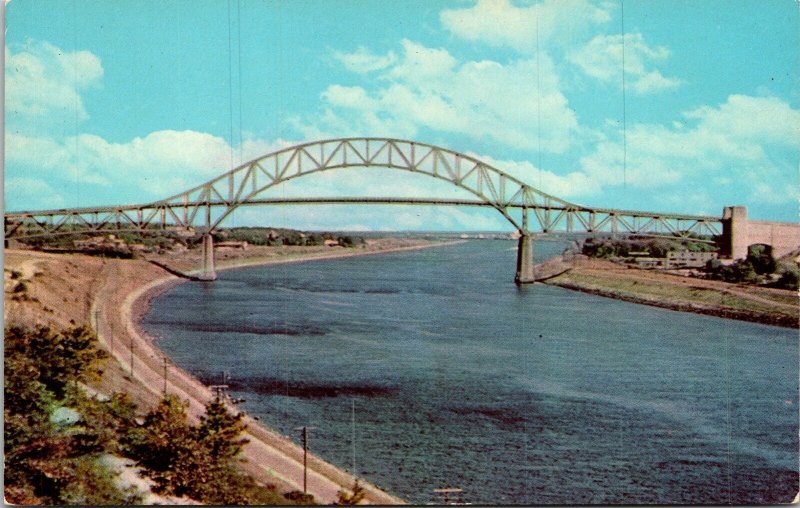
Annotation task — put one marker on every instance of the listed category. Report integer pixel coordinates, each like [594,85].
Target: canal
[428,369]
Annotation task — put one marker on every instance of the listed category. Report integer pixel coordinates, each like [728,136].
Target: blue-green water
[536,395]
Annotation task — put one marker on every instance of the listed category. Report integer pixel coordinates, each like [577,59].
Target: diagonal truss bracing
[243,185]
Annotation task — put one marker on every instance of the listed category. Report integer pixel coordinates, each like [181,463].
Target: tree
[47,461]
[197,462]
[219,432]
[165,447]
[61,357]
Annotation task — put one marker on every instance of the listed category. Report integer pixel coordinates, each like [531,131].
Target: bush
[790,279]
[740,271]
[760,257]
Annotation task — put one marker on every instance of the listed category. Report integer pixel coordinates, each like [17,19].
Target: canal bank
[779,307]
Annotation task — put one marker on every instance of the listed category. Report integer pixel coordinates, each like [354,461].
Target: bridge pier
[207,271]
[525,260]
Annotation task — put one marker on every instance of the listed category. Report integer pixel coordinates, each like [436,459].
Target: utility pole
[353,427]
[131,358]
[165,376]
[220,389]
[305,460]
[305,430]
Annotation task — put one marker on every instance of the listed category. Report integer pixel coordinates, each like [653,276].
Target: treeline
[280,236]
[155,239]
[657,248]
[160,240]
[56,436]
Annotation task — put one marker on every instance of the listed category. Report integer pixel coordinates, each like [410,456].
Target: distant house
[673,260]
[331,243]
[99,241]
[688,259]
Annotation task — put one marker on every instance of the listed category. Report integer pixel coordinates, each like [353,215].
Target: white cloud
[429,88]
[602,58]
[353,97]
[733,142]
[45,81]
[500,23]
[765,119]
[161,163]
[363,60]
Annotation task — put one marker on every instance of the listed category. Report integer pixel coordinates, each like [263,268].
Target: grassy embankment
[736,301]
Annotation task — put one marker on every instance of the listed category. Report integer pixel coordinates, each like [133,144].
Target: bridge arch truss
[527,208]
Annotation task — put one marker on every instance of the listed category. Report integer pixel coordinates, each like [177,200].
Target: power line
[353,427]
[624,112]
[538,106]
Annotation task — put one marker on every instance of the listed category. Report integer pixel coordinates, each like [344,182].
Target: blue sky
[132,101]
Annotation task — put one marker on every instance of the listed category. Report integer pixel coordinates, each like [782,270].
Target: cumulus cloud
[735,142]
[602,58]
[500,23]
[43,81]
[766,119]
[161,163]
[428,88]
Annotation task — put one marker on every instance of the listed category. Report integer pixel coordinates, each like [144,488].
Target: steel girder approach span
[527,208]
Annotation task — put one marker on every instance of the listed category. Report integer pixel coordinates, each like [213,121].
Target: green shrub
[790,278]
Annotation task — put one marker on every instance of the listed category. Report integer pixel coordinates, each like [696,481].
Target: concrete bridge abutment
[734,240]
[207,271]
[525,273]
[739,233]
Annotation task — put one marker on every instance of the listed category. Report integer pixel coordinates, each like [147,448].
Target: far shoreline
[328,257]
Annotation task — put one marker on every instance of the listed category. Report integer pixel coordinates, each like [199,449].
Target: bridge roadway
[551,218]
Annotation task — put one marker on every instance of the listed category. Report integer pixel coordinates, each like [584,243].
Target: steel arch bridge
[244,184]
